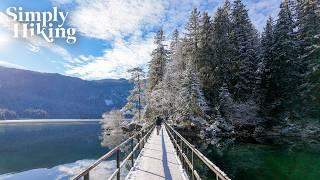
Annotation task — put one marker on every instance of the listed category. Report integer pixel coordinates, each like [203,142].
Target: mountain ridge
[31,94]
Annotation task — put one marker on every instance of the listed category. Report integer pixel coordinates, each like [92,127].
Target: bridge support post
[118,163]
[132,160]
[143,142]
[138,139]
[182,155]
[192,174]
[181,152]
[86,177]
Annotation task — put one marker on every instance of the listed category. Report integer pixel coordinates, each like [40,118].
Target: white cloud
[115,18]
[5,22]
[259,11]
[116,61]
[112,20]
[4,40]
[11,65]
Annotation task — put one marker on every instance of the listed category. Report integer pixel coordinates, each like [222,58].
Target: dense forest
[225,78]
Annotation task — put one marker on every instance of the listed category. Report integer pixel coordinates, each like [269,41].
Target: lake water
[295,161]
[60,150]
[48,150]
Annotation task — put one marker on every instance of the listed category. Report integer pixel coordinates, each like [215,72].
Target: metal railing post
[132,160]
[181,144]
[176,141]
[86,177]
[138,138]
[192,165]
[118,163]
[182,153]
[143,141]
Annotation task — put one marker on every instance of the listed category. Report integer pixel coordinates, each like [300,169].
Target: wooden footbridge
[152,156]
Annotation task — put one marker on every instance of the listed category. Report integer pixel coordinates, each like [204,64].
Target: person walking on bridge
[158,124]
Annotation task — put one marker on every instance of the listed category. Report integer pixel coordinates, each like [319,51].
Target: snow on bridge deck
[157,160]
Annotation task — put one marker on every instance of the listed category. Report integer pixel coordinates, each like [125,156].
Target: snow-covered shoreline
[64,171]
[43,121]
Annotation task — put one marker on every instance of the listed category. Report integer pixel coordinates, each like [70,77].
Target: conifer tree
[222,47]
[309,34]
[283,66]
[136,99]
[245,39]
[265,65]
[205,40]
[191,104]
[205,54]
[191,40]
[225,62]
[174,43]
[171,82]
[157,64]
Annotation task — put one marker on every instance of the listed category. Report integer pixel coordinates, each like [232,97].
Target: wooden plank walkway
[158,160]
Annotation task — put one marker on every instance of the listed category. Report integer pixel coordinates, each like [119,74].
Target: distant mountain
[29,94]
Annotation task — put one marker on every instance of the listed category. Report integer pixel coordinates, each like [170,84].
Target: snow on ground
[158,160]
[64,172]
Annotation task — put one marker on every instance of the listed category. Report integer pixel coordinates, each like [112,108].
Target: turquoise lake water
[255,161]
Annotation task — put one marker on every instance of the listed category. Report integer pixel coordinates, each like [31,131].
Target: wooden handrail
[190,163]
[85,173]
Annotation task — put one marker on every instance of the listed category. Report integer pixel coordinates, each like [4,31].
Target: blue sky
[112,35]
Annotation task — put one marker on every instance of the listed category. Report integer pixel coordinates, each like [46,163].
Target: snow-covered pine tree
[204,45]
[245,39]
[282,82]
[226,103]
[264,67]
[191,39]
[155,90]
[171,81]
[136,99]
[159,58]
[222,47]
[309,34]
[191,104]
[174,43]
[205,53]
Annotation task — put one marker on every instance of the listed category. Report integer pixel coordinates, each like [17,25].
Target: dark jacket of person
[158,121]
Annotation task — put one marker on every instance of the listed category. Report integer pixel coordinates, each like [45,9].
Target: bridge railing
[141,138]
[187,154]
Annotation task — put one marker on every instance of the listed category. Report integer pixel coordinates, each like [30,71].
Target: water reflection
[25,147]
